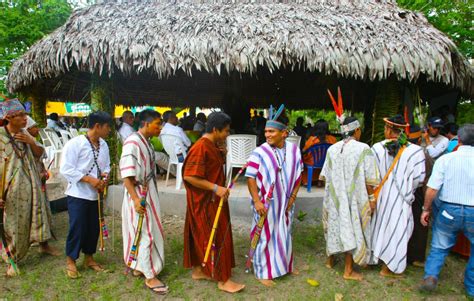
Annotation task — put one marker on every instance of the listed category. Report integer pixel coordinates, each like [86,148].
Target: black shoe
[429,284]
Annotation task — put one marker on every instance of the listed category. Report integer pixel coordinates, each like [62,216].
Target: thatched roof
[152,44]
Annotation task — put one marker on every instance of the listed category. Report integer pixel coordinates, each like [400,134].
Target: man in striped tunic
[402,169]
[277,163]
[137,167]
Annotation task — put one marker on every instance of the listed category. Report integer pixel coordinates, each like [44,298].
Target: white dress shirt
[453,176]
[438,146]
[53,125]
[125,131]
[76,161]
[174,130]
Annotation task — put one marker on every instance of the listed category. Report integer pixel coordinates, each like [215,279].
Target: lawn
[43,277]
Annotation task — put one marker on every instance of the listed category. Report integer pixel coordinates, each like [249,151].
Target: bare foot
[353,276]
[198,274]
[45,248]
[71,270]
[156,286]
[295,272]
[385,272]
[230,286]
[267,282]
[11,271]
[136,273]
[330,262]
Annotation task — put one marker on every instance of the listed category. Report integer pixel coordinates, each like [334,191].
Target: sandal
[160,292]
[96,267]
[72,274]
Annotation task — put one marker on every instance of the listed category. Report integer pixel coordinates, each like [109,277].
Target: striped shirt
[453,175]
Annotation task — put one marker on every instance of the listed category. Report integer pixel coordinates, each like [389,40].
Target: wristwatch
[424,209]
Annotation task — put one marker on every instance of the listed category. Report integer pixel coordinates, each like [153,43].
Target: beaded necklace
[280,166]
[19,151]
[95,154]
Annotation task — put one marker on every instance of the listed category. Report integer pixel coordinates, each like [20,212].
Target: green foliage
[22,23]
[465,112]
[311,116]
[454,18]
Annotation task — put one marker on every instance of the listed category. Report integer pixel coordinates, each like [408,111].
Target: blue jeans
[450,220]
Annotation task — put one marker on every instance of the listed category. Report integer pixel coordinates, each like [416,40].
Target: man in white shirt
[53,123]
[436,144]
[452,180]
[171,128]
[85,161]
[126,128]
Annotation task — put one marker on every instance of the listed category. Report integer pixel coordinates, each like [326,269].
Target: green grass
[43,277]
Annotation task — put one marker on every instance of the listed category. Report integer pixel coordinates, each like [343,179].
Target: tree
[454,18]
[22,23]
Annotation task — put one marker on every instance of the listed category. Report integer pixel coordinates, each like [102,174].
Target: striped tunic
[137,161]
[392,222]
[274,253]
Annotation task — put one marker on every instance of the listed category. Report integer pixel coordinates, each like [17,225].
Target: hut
[242,54]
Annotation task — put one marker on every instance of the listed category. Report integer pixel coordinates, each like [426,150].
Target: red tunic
[204,160]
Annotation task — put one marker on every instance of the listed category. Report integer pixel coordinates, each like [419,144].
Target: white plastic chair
[65,136]
[73,132]
[294,139]
[56,146]
[45,138]
[239,148]
[169,142]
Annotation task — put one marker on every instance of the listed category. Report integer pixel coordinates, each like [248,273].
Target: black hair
[167,115]
[346,121]
[99,117]
[201,116]
[466,134]
[320,130]
[218,121]
[451,128]
[299,120]
[398,119]
[54,116]
[147,116]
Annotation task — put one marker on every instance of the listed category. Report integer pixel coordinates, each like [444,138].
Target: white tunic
[137,161]
[392,222]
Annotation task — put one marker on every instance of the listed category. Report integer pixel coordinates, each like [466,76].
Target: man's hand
[223,148]
[96,183]
[425,218]
[138,207]
[2,204]
[259,207]
[426,136]
[222,192]
[21,137]
[373,206]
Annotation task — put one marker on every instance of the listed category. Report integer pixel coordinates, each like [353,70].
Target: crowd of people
[377,205]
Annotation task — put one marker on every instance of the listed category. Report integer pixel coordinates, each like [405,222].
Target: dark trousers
[419,239]
[83,227]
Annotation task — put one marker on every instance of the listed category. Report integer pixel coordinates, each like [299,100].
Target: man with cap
[22,187]
[274,176]
[350,173]
[436,144]
[402,169]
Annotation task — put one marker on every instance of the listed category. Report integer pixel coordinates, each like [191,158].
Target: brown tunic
[205,161]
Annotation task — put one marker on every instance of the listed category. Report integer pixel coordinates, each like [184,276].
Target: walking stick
[2,228]
[103,231]
[258,230]
[138,234]
[216,219]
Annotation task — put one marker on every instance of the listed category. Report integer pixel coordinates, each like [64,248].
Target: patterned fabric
[346,211]
[27,217]
[274,253]
[392,222]
[12,106]
[137,161]
[205,161]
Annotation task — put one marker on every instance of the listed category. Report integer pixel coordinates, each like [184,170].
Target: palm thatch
[154,42]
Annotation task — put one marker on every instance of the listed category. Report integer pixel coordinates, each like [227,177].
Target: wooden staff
[103,231]
[216,219]
[138,234]
[2,228]
[258,230]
